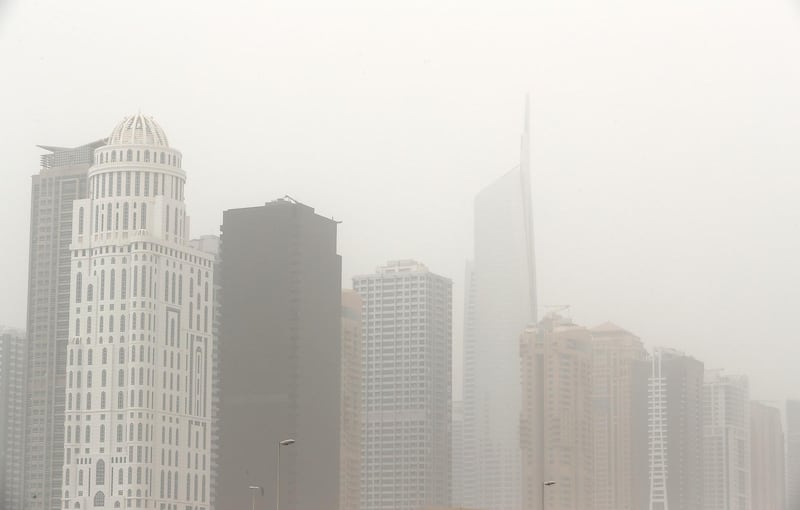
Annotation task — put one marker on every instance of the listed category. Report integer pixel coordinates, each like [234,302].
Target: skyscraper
[210,244]
[767,465]
[676,431]
[352,338]
[557,412]
[499,304]
[792,454]
[138,399]
[726,442]
[12,414]
[407,315]
[280,334]
[60,181]
[619,396]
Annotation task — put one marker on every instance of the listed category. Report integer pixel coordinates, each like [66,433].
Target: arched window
[89,379]
[88,327]
[205,319]
[103,377]
[111,324]
[80,221]
[122,355]
[144,217]
[122,323]
[88,434]
[119,440]
[206,291]
[88,404]
[78,287]
[90,293]
[130,155]
[99,499]
[100,467]
[180,290]
[112,284]
[135,284]
[102,403]
[124,285]
[125,212]
[121,377]
[173,287]
[89,357]
[103,284]
[120,400]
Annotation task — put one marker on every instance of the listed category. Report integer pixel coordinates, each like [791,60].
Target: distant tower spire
[527,207]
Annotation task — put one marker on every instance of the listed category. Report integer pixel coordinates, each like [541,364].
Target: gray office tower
[61,180]
[406,369]
[676,431]
[500,302]
[12,412]
[280,356]
[793,454]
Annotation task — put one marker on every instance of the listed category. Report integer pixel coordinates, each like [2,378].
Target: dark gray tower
[61,180]
[280,358]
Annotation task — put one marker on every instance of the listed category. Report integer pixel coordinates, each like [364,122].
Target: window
[100,467]
[103,284]
[144,215]
[125,213]
[100,498]
[78,287]
[124,286]
[90,293]
[80,221]
[119,440]
[111,284]
[130,155]
[77,327]
[103,374]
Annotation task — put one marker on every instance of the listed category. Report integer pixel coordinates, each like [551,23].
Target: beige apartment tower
[556,432]
[620,374]
[767,468]
[350,453]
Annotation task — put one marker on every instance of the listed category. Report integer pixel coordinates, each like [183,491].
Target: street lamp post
[285,442]
[253,494]
[544,486]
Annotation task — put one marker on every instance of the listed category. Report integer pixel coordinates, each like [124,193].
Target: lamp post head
[549,483]
[286,442]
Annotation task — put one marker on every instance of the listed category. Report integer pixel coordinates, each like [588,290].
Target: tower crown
[138,130]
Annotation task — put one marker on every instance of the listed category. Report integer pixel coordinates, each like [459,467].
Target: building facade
[556,421]
[138,367]
[792,454]
[350,470]
[457,463]
[61,180]
[675,408]
[281,358]
[407,359]
[619,399]
[726,441]
[12,415]
[500,302]
[767,464]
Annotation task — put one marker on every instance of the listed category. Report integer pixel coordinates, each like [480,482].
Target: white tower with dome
[138,403]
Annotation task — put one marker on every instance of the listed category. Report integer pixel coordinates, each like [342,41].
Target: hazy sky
[666,140]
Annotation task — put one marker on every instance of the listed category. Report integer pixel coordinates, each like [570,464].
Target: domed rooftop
[138,130]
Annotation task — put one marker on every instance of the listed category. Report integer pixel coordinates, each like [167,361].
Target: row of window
[164,158]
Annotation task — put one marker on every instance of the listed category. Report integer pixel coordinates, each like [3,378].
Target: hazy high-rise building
[280,337]
[352,338]
[676,431]
[138,367]
[457,455]
[619,419]
[792,454]
[60,181]
[210,244]
[12,415]
[407,359]
[500,302]
[557,412]
[767,464]
[726,441]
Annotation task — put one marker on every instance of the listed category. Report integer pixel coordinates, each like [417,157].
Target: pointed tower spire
[527,207]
